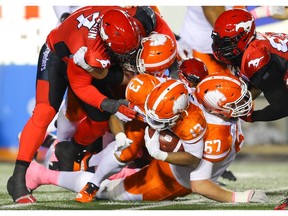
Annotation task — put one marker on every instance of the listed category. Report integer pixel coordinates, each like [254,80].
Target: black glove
[112,106]
[118,106]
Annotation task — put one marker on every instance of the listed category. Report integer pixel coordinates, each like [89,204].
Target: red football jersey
[259,52]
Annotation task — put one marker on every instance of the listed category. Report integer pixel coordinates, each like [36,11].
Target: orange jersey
[221,138]
[136,92]
[192,126]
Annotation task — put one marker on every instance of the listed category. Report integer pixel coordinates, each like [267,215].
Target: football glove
[122,142]
[153,145]
[78,58]
[122,106]
[250,196]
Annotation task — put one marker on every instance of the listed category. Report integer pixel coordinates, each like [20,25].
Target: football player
[157,53]
[260,59]
[89,36]
[162,179]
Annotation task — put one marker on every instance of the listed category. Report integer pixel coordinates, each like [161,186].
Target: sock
[74,181]
[96,158]
[107,167]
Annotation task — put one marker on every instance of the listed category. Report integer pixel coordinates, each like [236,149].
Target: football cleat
[228,175]
[19,193]
[67,153]
[83,165]
[283,205]
[26,199]
[87,194]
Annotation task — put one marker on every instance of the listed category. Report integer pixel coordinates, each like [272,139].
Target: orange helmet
[192,71]
[224,95]
[120,32]
[139,88]
[165,104]
[157,53]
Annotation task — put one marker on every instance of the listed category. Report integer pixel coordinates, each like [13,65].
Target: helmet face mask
[165,104]
[160,124]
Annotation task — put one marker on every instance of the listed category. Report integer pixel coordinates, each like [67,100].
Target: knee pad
[43,115]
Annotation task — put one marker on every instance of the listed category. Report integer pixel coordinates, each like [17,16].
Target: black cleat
[67,153]
[229,175]
[19,192]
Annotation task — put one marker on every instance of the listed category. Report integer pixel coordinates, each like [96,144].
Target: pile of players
[123,75]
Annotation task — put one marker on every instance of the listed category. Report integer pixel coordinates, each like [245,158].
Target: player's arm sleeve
[203,171]
[271,83]
[80,82]
[195,149]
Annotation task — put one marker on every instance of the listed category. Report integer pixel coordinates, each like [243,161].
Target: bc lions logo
[255,62]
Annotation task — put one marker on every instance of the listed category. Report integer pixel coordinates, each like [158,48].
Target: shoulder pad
[254,58]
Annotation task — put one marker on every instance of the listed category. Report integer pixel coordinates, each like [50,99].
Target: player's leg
[38,175]
[49,95]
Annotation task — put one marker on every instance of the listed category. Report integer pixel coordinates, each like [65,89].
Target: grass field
[269,173]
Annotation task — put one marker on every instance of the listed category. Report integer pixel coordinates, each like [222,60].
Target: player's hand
[248,117]
[275,10]
[78,58]
[122,142]
[121,106]
[153,145]
[250,196]
[184,50]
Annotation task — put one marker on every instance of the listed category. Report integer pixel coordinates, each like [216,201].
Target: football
[169,142]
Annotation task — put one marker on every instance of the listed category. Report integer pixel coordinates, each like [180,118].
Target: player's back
[81,28]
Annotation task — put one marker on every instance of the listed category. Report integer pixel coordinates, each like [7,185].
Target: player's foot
[87,194]
[66,155]
[26,199]
[19,192]
[84,164]
[228,175]
[283,205]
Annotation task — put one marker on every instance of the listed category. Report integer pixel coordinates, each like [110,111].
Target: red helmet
[233,31]
[120,32]
[192,71]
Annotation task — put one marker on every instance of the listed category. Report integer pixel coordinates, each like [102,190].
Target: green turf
[266,175]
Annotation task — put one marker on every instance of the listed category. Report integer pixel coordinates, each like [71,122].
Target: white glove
[184,50]
[122,142]
[153,145]
[267,11]
[79,59]
[250,196]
